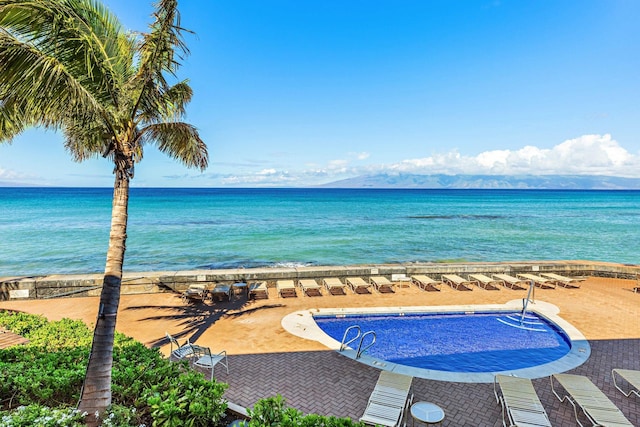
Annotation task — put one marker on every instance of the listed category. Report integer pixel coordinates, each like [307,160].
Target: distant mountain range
[555,182]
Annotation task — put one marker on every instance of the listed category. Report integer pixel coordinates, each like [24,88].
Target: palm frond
[160,51]
[12,121]
[180,141]
[40,86]
[158,106]
[81,35]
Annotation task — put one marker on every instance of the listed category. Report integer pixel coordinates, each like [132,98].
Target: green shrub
[49,371]
[122,416]
[41,416]
[21,323]
[61,334]
[186,399]
[273,411]
[31,374]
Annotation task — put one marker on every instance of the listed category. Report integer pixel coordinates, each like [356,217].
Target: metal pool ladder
[525,303]
[360,335]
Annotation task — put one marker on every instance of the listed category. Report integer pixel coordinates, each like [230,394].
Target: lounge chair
[356,283]
[221,291]
[389,400]
[402,280]
[195,292]
[486,282]
[521,406]
[332,284]
[426,282]
[457,282]
[179,351]
[631,377]
[205,359]
[309,285]
[538,280]
[286,287]
[380,282]
[512,282]
[566,282]
[595,405]
[258,289]
[637,288]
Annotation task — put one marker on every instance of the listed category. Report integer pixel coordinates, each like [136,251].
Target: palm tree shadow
[197,316]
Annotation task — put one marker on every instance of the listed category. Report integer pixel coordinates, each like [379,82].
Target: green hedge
[43,379]
[40,384]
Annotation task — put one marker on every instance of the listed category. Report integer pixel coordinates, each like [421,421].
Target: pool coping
[301,324]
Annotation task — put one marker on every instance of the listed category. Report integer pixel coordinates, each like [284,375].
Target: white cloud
[9,175]
[586,155]
[361,156]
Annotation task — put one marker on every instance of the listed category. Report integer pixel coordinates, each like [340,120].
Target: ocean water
[66,230]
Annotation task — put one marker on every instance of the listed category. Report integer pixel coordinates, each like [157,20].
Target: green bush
[34,374]
[65,333]
[41,416]
[47,375]
[273,411]
[21,323]
[49,371]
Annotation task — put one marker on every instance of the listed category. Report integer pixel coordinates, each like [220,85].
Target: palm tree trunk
[96,391]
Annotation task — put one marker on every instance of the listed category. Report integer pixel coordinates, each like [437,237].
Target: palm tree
[69,65]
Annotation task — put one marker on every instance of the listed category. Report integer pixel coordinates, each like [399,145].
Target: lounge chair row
[521,406]
[357,285]
[332,286]
[200,292]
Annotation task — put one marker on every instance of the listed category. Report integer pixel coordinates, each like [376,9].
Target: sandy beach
[605,310]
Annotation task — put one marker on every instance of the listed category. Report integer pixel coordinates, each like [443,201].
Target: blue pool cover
[457,342]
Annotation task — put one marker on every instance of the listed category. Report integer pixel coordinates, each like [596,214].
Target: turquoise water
[456,342]
[66,230]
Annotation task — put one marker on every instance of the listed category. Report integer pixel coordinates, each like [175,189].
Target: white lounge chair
[206,360]
[567,282]
[221,291]
[195,292]
[486,282]
[521,406]
[595,405]
[309,285]
[401,280]
[512,282]
[332,284]
[381,282]
[457,282]
[632,377]
[389,400]
[286,287]
[179,351]
[425,282]
[538,280]
[356,283]
[258,289]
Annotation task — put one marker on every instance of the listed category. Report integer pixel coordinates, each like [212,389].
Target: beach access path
[264,359]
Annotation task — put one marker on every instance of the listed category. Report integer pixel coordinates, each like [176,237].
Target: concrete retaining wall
[56,286]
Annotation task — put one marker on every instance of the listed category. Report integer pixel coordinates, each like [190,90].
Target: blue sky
[294,93]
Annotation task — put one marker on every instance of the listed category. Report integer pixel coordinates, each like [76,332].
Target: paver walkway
[325,382]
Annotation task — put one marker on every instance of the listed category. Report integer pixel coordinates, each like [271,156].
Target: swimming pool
[456,342]
[452,343]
